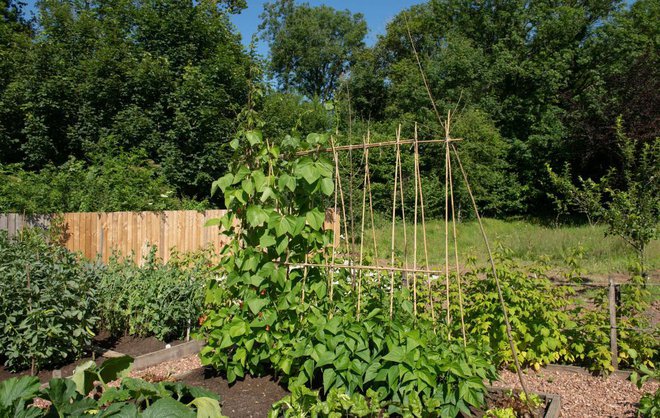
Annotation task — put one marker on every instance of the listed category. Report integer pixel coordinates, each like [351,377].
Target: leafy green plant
[87,393]
[538,312]
[47,309]
[273,311]
[649,405]
[155,298]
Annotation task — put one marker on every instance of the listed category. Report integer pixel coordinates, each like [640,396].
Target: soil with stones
[129,345]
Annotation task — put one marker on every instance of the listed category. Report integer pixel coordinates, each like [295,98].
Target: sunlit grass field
[563,248]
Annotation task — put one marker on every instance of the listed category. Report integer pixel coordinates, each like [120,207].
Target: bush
[47,307]
[155,299]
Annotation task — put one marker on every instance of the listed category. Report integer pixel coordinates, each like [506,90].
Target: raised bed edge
[553,401]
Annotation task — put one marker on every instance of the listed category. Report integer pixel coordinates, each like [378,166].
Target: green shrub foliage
[47,308]
[154,298]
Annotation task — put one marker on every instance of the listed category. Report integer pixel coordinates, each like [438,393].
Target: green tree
[168,77]
[311,47]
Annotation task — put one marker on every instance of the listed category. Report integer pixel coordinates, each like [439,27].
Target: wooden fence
[102,234]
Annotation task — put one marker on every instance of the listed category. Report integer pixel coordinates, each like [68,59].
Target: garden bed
[111,346]
[582,395]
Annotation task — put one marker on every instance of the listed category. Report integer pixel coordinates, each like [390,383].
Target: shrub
[47,309]
[155,299]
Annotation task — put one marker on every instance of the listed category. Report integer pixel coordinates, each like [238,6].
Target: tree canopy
[311,47]
[162,86]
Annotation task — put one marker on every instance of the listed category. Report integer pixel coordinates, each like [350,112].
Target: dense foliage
[269,315]
[166,78]
[131,398]
[538,83]
[54,302]
[558,324]
[154,298]
[47,309]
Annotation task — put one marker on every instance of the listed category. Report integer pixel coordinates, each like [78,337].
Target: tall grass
[563,247]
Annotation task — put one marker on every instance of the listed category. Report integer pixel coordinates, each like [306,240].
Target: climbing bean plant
[274,221]
[271,310]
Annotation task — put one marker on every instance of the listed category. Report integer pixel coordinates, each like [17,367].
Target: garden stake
[613,328]
[453,224]
[447,235]
[334,250]
[512,344]
[371,208]
[364,208]
[403,208]
[426,251]
[396,170]
[415,228]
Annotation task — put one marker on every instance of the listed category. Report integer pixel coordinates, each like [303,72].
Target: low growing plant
[153,299]
[87,394]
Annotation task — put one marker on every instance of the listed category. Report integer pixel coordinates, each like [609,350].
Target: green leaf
[168,408]
[256,216]
[282,245]
[329,377]
[207,408]
[286,181]
[116,367]
[213,222]
[256,304]
[315,219]
[266,240]
[83,377]
[327,186]
[254,137]
[223,182]
[396,355]
[119,410]
[371,372]
[307,169]
[15,389]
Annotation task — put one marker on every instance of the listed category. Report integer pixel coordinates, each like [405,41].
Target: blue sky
[376,12]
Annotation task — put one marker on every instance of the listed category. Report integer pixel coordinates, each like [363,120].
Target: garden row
[55,302]
[347,343]
[341,342]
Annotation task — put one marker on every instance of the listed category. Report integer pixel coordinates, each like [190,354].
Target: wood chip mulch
[583,395]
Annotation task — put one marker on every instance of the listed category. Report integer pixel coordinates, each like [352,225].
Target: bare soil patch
[126,345]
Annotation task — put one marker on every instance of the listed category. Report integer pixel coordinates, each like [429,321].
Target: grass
[564,248]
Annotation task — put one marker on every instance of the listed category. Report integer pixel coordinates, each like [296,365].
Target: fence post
[612,304]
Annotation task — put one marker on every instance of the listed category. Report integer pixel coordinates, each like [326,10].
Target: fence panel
[131,233]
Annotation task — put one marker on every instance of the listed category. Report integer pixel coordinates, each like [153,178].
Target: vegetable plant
[87,393]
[47,309]
[273,312]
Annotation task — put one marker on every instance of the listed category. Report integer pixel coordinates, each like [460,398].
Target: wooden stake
[613,328]
[415,228]
[396,171]
[426,250]
[458,271]
[364,208]
[512,344]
